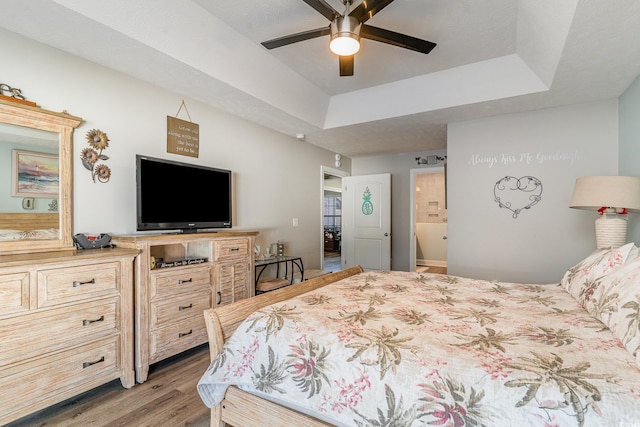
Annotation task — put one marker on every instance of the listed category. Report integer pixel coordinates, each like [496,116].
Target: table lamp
[613,197]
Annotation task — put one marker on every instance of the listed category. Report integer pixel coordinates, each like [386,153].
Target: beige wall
[276,177]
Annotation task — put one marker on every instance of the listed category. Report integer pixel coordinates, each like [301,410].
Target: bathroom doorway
[428,246]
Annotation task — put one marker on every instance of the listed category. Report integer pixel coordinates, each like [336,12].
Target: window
[332,213]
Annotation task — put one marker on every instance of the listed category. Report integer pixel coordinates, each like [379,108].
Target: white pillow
[582,279]
[616,303]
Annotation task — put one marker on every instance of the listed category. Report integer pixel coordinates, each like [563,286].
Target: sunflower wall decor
[98,141]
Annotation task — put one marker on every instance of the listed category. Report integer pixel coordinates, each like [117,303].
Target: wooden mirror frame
[15,113]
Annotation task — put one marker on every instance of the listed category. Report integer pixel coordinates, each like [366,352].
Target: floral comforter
[409,349]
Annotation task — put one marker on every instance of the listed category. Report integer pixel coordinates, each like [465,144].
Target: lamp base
[611,232]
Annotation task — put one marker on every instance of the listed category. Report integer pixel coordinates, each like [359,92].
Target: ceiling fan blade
[365,10]
[298,37]
[396,39]
[324,8]
[346,66]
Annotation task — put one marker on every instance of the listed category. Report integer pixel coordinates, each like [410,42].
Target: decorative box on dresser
[66,326]
[177,276]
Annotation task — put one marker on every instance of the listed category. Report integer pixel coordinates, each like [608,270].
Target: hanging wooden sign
[183,137]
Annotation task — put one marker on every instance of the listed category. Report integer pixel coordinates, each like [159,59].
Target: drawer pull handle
[234,249]
[189,280]
[219,298]
[184,307]
[88,322]
[77,283]
[182,334]
[87,364]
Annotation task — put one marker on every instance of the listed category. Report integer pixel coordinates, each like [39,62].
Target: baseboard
[433,262]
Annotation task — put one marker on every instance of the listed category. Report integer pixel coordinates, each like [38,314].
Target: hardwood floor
[435,270]
[168,398]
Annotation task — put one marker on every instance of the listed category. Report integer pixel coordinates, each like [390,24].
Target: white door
[366,221]
[431,244]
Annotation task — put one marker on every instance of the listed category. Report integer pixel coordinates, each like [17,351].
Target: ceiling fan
[347,29]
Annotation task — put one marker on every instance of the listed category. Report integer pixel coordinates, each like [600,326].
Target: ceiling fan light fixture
[345,36]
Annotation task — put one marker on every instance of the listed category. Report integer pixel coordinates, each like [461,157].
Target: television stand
[169,301]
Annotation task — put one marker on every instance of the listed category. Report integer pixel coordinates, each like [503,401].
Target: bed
[381,348]
[32,226]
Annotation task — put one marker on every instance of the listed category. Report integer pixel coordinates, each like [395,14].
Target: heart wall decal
[517,194]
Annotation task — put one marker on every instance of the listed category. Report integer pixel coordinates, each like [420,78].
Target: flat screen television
[180,196]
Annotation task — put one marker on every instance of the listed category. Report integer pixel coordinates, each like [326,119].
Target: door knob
[386,234]
[444,237]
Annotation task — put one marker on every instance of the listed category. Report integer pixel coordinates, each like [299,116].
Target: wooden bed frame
[29,221]
[240,408]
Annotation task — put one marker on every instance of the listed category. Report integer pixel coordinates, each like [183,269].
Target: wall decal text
[524,158]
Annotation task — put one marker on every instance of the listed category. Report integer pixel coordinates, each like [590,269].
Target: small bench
[271,285]
[312,274]
[267,285]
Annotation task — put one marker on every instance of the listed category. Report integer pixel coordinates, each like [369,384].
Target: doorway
[428,246]
[331,218]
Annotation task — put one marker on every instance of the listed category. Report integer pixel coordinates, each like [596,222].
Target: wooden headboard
[29,221]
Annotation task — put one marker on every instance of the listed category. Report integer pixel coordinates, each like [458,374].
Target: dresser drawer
[35,334]
[63,285]
[14,293]
[230,249]
[176,338]
[29,386]
[183,280]
[179,308]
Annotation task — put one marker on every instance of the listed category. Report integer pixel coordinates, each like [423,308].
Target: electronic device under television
[180,196]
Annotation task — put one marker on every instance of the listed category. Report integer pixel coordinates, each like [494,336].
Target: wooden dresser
[177,277]
[66,326]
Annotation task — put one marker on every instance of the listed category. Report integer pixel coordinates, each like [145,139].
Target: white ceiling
[492,57]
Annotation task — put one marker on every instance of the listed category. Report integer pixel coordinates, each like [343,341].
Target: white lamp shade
[618,192]
[594,192]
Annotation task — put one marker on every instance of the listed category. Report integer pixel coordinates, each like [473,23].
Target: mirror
[36,186]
